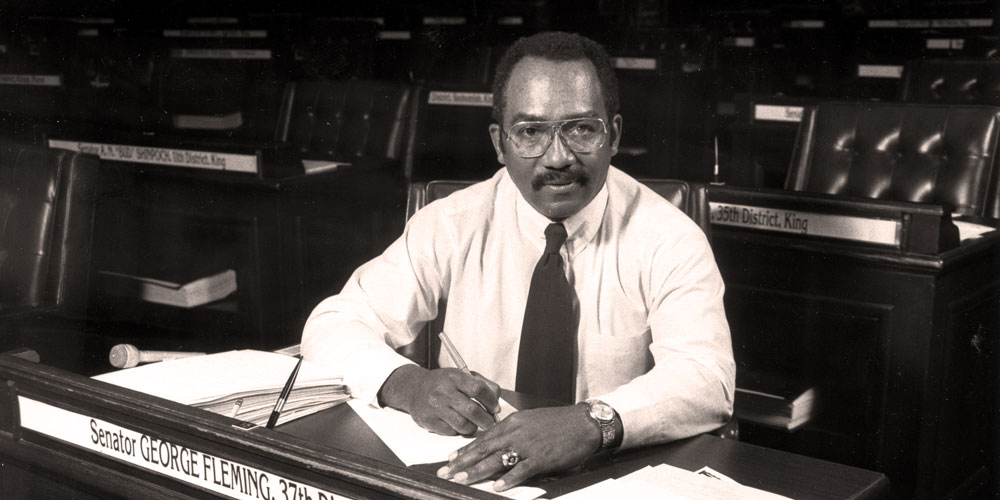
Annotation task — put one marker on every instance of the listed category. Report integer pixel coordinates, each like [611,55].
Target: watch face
[602,411]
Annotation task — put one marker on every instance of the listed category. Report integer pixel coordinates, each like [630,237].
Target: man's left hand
[545,440]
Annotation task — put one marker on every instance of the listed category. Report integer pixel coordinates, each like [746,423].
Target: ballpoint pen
[460,364]
[273,419]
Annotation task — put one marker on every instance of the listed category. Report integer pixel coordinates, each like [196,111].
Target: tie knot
[555,236]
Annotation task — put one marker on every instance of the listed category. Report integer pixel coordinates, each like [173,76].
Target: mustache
[559,177]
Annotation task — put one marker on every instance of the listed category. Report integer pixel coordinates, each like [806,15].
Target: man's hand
[444,400]
[546,439]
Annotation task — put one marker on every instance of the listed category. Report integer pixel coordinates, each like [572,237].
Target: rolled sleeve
[689,390]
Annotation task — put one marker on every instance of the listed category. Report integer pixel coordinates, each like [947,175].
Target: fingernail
[443,471]
[461,477]
[453,456]
[498,484]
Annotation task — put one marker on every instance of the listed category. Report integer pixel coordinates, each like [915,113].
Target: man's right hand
[442,400]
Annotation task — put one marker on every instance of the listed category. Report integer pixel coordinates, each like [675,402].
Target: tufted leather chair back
[952,81]
[47,201]
[924,153]
[341,120]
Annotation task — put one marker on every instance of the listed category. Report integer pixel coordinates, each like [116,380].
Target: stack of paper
[669,482]
[191,294]
[242,384]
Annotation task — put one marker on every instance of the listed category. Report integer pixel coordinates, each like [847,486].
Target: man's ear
[495,132]
[616,133]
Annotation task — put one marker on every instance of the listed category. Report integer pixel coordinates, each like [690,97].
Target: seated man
[564,278]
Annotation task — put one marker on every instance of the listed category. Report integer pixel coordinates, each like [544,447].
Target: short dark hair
[556,46]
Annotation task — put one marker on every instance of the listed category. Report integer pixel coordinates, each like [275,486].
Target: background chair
[924,153]
[47,199]
[360,122]
[952,81]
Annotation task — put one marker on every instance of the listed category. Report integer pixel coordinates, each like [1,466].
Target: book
[242,384]
[191,294]
[774,400]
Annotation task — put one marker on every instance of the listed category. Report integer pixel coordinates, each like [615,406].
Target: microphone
[128,355]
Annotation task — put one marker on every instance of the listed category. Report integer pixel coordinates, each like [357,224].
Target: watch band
[604,415]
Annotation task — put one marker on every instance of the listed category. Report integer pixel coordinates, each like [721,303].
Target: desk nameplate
[162,156]
[445,98]
[204,470]
[778,113]
[846,227]
[30,80]
[638,63]
[893,71]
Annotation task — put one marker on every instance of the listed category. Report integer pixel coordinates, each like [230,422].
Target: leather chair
[360,122]
[952,81]
[47,201]
[924,153]
[448,134]
[689,197]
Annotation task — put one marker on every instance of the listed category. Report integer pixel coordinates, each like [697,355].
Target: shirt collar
[581,227]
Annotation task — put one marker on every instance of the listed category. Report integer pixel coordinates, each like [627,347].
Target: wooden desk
[901,342]
[332,454]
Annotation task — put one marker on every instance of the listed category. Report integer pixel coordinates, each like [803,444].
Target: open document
[242,384]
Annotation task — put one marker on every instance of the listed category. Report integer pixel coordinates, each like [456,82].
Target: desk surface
[794,476]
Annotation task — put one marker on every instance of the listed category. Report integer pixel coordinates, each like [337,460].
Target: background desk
[333,452]
[901,344]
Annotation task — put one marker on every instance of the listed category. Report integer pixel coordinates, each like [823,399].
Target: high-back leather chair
[952,81]
[47,199]
[924,153]
[690,197]
[448,134]
[344,120]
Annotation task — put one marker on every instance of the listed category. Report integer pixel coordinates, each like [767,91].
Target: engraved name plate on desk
[777,113]
[32,80]
[847,227]
[224,476]
[460,98]
[162,156]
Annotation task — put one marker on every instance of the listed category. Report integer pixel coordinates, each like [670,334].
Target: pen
[460,363]
[273,419]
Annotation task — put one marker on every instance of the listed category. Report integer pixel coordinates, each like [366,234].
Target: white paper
[517,492]
[410,442]
[969,230]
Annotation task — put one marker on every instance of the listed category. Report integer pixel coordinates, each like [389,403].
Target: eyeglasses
[581,135]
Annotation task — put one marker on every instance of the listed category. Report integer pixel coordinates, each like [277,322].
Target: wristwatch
[604,415]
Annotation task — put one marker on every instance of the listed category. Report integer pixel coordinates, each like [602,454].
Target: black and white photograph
[480,249]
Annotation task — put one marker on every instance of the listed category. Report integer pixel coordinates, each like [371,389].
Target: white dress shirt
[653,341]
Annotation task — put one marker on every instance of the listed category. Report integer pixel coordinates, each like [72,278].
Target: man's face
[560,182]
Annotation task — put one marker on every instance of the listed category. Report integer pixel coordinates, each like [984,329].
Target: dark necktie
[547,355]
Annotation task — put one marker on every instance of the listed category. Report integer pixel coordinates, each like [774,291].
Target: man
[647,347]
